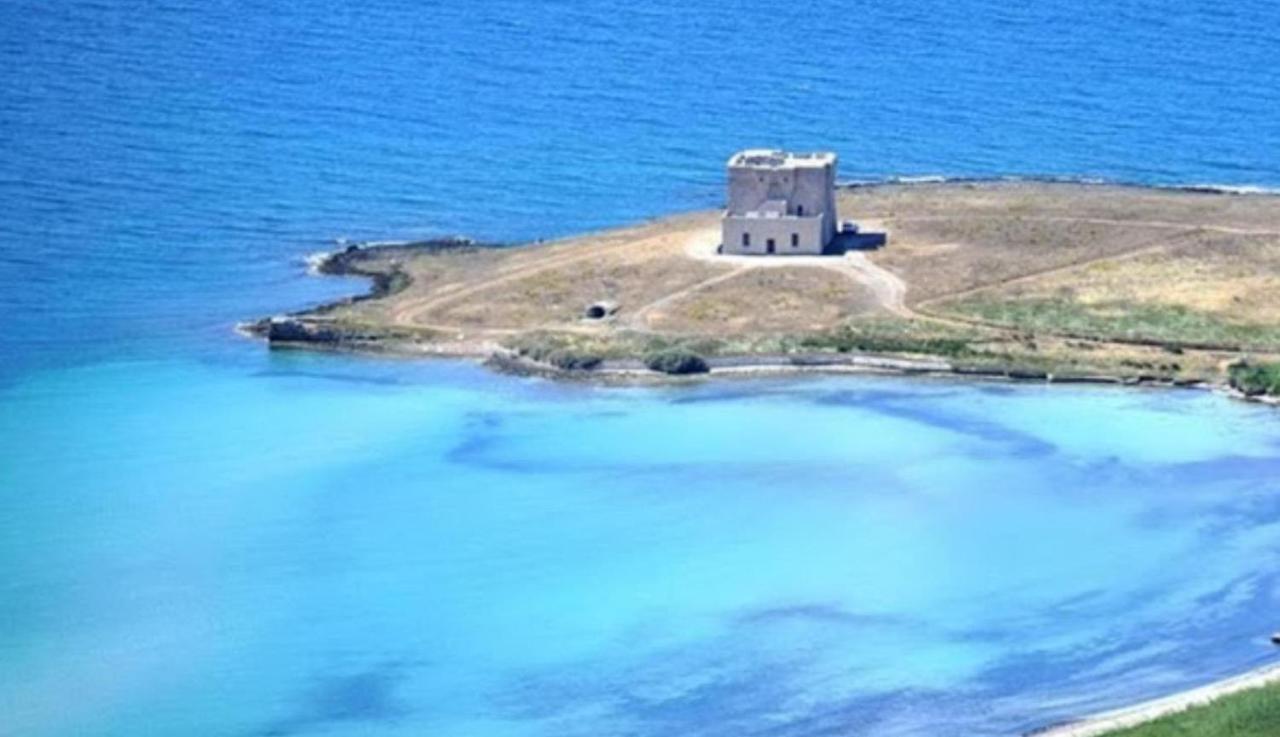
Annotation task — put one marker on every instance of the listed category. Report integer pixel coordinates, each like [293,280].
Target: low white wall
[809,231]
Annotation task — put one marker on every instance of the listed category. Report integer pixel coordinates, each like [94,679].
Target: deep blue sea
[200,537]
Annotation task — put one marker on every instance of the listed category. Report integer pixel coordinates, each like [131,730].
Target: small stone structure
[600,310]
[780,203]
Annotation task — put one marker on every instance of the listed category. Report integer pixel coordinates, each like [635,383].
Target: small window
[795,240]
[800,210]
[746,240]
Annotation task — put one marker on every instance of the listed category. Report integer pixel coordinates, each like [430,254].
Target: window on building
[795,240]
[746,240]
[769,245]
[800,210]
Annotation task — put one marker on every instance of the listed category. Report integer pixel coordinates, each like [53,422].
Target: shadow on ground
[846,242]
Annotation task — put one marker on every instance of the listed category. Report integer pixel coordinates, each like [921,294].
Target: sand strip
[1147,711]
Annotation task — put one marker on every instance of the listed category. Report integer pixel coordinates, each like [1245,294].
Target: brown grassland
[1067,280]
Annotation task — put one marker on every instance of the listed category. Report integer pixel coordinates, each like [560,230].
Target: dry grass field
[1074,277]
[795,300]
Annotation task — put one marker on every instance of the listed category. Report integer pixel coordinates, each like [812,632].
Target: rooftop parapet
[763,158]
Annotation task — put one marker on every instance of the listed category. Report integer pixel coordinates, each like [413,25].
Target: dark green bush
[559,351]
[568,360]
[1256,379]
[676,361]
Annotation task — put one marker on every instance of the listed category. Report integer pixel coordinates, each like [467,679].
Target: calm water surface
[301,544]
[197,537]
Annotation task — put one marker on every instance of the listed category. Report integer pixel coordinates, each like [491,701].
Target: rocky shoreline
[306,332]
[308,328]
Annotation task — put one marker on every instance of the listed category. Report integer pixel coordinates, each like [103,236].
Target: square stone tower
[780,203]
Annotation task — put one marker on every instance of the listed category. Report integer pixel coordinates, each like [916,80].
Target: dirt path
[887,287]
[1232,230]
[1148,247]
[639,318]
[700,241]
[413,311]
[926,309]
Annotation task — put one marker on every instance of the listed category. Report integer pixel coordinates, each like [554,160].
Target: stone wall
[808,230]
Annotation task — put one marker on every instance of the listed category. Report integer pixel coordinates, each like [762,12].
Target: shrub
[568,360]
[846,339]
[676,361]
[558,352]
[1255,379]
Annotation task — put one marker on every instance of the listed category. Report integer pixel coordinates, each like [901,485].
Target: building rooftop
[763,158]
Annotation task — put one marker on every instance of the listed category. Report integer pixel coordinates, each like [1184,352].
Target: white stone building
[780,203]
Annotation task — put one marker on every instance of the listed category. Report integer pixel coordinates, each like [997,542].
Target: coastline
[1099,725]
[727,368]
[788,364]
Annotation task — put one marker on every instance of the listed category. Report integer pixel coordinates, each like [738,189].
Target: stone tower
[780,203]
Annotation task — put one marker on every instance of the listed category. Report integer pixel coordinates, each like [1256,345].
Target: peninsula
[1029,280]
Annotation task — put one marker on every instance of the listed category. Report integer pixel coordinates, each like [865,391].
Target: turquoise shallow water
[304,544]
[199,537]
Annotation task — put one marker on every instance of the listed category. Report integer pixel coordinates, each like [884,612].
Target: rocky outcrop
[289,329]
[381,264]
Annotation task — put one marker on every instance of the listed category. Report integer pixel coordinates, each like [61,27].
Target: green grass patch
[702,346]
[1254,713]
[1171,325]
[574,360]
[1256,379]
[583,352]
[889,337]
[563,350]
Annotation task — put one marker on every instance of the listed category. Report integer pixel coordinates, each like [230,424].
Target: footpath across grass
[1252,713]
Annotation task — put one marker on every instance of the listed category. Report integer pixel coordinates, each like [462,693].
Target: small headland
[1036,281]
